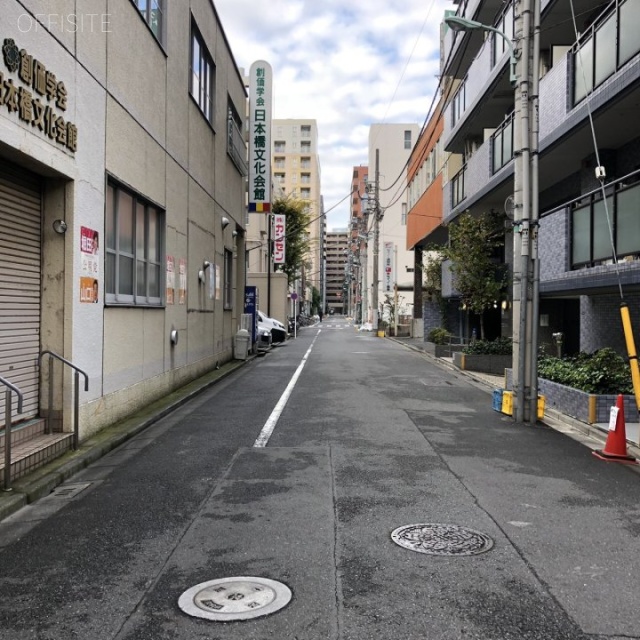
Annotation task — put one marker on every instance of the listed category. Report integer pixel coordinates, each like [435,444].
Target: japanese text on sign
[260,137]
[279,238]
[26,100]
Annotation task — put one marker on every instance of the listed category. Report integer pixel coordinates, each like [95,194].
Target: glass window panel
[583,71]
[581,235]
[629,41]
[142,5]
[195,68]
[110,273]
[141,281]
[601,236]
[125,274]
[497,153]
[140,234]
[125,222]
[110,219]
[605,53]
[153,248]
[628,221]
[154,281]
[507,143]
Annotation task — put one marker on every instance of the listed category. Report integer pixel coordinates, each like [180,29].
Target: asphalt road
[372,437]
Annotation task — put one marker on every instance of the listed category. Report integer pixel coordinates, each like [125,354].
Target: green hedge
[497,347]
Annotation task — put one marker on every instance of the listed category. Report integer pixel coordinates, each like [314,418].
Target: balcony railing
[457,188]
[609,43]
[236,147]
[502,144]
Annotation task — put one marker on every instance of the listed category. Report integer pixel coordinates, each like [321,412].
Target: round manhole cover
[240,598]
[442,539]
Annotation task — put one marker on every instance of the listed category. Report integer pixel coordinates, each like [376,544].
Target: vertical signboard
[389,275]
[279,227]
[251,306]
[260,78]
[89,250]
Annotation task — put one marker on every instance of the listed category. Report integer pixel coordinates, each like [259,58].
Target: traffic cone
[615,449]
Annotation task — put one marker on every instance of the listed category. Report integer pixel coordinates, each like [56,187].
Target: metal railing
[76,392]
[7,429]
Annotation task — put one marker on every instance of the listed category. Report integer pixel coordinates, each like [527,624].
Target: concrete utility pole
[376,237]
[525,235]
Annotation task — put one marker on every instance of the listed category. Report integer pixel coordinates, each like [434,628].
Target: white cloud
[346,65]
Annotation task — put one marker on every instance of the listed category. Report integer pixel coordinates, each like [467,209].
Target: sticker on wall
[217,272]
[212,280]
[171,280]
[182,273]
[89,264]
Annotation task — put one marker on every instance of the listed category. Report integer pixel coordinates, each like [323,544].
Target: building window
[305,146]
[459,103]
[203,73]
[457,188]
[279,177]
[305,194]
[134,248]
[499,44]
[305,131]
[305,178]
[403,215]
[278,162]
[305,162]
[228,275]
[279,146]
[502,144]
[153,12]
[407,139]
[236,146]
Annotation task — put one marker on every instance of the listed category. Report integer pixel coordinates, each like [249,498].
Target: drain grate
[68,491]
[442,539]
[240,598]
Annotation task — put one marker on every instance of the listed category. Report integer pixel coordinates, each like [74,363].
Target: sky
[346,65]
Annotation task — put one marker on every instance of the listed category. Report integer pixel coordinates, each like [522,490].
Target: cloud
[346,65]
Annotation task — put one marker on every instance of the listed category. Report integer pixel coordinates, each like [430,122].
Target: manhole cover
[240,598]
[69,491]
[442,539]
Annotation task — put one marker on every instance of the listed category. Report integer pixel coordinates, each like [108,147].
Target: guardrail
[7,429]
[76,392]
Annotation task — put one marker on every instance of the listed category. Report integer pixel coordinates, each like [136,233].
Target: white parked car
[279,332]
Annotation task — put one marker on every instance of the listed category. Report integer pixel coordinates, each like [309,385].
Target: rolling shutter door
[20,232]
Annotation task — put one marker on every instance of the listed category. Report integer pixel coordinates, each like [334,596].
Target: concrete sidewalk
[552,418]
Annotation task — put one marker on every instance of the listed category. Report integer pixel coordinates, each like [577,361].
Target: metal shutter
[20,233]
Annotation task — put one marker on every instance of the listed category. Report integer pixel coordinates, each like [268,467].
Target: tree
[478,277]
[296,234]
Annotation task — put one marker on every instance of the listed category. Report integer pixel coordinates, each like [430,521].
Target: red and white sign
[389,275]
[278,238]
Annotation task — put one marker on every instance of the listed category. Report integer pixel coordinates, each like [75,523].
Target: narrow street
[542,540]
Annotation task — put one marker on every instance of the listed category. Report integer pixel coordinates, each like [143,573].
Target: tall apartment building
[589,234]
[392,145]
[296,169]
[121,204]
[337,270]
[359,219]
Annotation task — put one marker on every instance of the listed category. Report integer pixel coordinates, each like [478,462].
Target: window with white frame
[153,13]
[403,217]
[133,249]
[407,139]
[203,74]
[228,282]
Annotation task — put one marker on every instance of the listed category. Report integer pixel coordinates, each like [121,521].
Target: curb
[44,480]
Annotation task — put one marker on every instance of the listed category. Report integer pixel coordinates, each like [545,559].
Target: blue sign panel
[251,306]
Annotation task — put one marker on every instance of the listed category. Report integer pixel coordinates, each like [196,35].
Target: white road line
[270,424]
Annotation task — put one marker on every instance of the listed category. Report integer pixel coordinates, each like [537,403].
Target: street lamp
[456,23]
[523,64]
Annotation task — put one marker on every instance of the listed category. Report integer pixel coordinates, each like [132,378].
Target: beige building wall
[139,126]
[296,169]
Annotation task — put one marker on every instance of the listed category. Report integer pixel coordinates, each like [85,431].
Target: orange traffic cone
[615,449]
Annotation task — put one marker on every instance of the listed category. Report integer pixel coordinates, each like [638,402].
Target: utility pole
[376,238]
[523,316]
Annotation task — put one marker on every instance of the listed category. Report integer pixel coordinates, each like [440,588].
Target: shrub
[438,336]
[497,347]
[602,372]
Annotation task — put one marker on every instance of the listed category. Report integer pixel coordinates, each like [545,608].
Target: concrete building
[122,185]
[359,219]
[337,267]
[392,145]
[296,168]
[589,236]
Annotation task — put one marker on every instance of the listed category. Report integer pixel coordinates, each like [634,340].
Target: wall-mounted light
[201,274]
[60,226]
[225,222]
[234,233]
[173,337]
